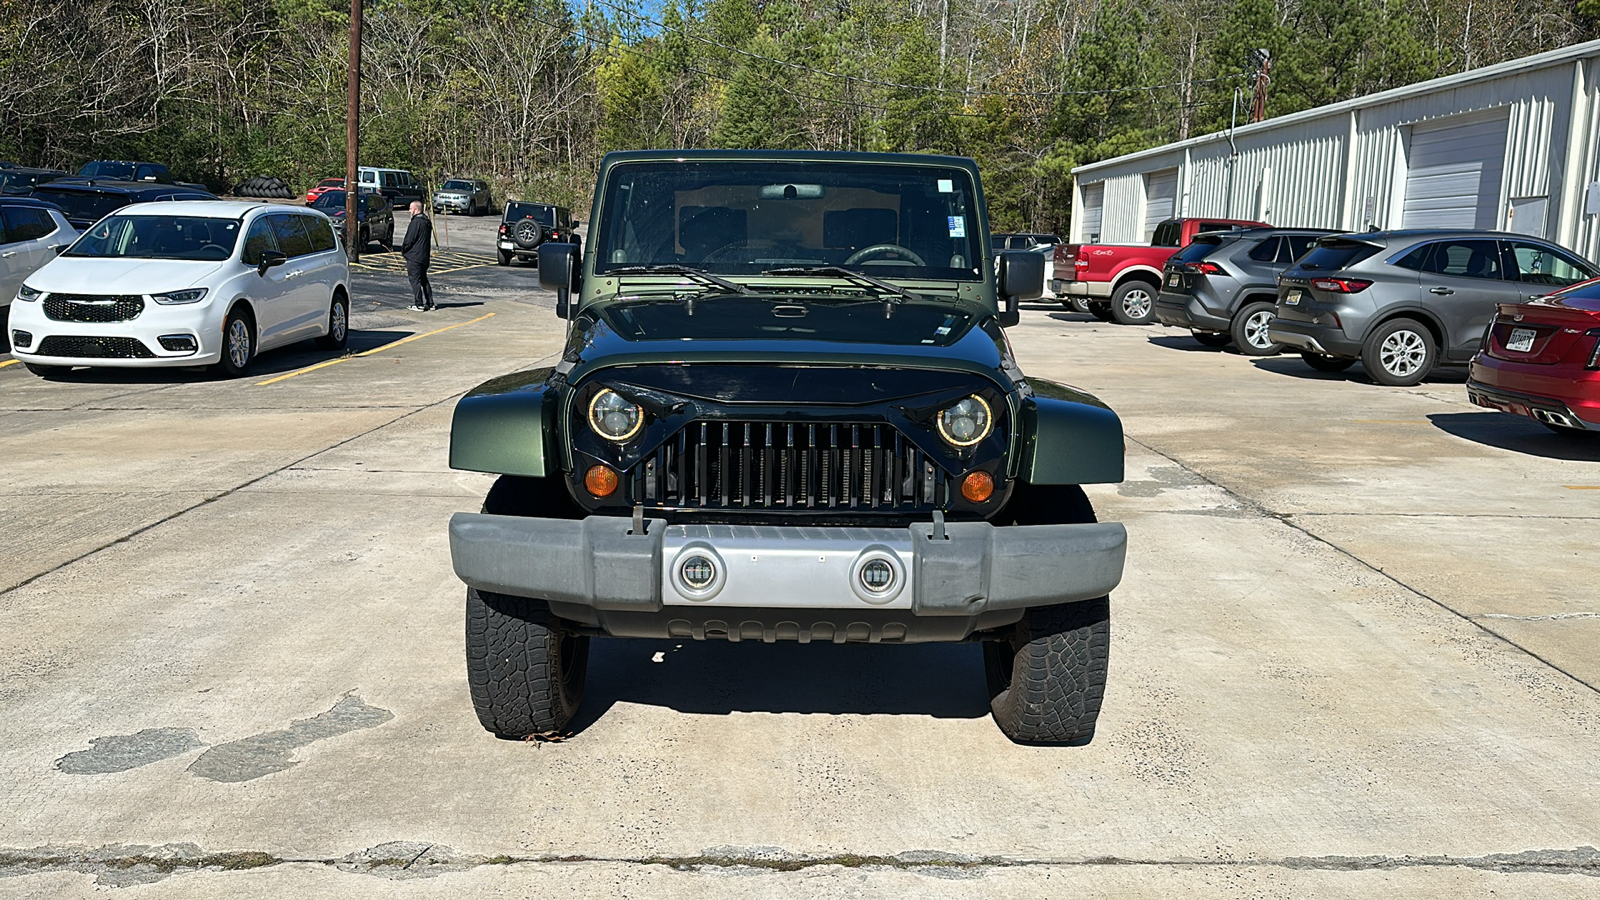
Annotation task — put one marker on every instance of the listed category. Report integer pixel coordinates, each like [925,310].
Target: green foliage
[759,111]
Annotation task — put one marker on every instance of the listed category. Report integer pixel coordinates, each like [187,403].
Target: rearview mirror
[558,271]
[1020,277]
[271,259]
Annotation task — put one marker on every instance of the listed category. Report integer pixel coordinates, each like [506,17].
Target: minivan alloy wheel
[238,348]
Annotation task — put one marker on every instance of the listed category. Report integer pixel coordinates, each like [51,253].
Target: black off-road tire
[505,257]
[1101,311]
[1210,338]
[1249,330]
[1324,363]
[1399,353]
[528,238]
[525,670]
[1047,682]
[1134,303]
[47,371]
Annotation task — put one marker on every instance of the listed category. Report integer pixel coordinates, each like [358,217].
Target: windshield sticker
[958,226]
[947,186]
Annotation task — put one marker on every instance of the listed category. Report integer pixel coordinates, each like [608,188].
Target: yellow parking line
[1391,422]
[1583,487]
[333,362]
[9,362]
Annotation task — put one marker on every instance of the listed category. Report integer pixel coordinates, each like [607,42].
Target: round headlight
[614,418]
[966,423]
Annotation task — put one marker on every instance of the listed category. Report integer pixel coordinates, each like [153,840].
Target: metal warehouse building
[1514,147]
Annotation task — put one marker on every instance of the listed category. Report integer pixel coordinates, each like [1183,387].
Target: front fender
[503,425]
[1069,437]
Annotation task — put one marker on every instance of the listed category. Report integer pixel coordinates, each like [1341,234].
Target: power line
[915,87]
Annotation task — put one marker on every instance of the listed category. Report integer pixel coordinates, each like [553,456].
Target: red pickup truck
[1120,281]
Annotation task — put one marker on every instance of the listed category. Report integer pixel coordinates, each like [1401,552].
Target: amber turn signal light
[601,481]
[977,486]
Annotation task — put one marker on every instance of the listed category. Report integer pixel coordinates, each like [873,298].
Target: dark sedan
[373,214]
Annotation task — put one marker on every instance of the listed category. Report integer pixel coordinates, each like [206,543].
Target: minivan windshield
[159,237]
[746,216]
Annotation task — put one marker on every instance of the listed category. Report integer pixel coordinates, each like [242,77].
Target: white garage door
[1094,201]
[1453,174]
[1160,199]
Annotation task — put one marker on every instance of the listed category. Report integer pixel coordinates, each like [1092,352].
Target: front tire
[1399,353]
[1048,680]
[1101,311]
[1324,363]
[1134,303]
[524,669]
[1250,327]
[338,336]
[238,345]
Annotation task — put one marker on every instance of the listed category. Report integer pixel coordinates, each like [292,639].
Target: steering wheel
[217,247]
[884,249]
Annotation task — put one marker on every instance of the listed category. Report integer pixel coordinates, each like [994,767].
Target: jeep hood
[829,331]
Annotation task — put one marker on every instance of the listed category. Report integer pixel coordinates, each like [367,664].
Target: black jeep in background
[525,226]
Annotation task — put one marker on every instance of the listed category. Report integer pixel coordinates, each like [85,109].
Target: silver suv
[1403,302]
[1224,285]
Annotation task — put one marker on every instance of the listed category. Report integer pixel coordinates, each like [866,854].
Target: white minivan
[185,283]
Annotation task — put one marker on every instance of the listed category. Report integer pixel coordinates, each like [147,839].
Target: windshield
[330,202]
[747,216]
[116,170]
[82,205]
[159,237]
[456,185]
[544,215]
[1197,250]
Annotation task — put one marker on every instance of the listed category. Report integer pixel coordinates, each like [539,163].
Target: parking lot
[1353,654]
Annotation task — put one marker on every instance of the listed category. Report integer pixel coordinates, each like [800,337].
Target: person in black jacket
[417,248]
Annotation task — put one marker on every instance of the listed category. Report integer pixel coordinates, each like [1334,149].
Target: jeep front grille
[789,465]
[91,308]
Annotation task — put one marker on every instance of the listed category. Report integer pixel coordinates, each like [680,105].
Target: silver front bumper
[974,568]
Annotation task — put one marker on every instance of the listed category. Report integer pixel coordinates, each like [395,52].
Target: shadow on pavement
[944,681]
[1518,434]
[272,362]
[1187,343]
[1073,317]
[1291,364]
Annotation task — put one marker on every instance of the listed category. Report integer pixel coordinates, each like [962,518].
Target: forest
[531,93]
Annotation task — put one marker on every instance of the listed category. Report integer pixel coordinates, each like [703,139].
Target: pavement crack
[1294,521]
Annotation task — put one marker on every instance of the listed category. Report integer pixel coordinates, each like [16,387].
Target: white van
[400,186]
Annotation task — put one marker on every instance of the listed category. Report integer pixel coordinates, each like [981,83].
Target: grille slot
[789,465]
[94,347]
[93,308]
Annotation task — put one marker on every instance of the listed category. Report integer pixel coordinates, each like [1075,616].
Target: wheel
[1047,681]
[1326,363]
[238,344]
[528,234]
[1399,352]
[1076,304]
[1210,338]
[1249,331]
[47,371]
[338,336]
[1134,303]
[1101,311]
[525,671]
[505,257]
[366,238]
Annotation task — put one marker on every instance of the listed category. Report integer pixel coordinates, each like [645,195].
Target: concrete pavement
[1352,656]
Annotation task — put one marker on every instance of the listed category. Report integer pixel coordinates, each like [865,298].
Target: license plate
[1173,279]
[1292,298]
[1521,340]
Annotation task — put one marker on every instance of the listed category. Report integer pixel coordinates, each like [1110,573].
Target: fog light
[977,486]
[877,576]
[601,481]
[23,339]
[178,343]
[697,573]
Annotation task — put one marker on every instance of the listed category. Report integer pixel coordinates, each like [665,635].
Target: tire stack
[265,187]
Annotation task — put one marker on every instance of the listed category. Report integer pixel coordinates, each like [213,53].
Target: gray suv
[1224,285]
[1403,302]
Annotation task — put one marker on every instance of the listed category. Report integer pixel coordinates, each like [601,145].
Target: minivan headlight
[966,423]
[174,298]
[28,293]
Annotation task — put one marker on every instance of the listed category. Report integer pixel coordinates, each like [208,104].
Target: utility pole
[352,140]
[1262,61]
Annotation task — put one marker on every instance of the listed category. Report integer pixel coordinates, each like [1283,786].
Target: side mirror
[1020,277]
[271,259]
[558,271]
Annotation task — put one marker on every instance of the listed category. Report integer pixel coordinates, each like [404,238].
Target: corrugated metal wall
[1346,168]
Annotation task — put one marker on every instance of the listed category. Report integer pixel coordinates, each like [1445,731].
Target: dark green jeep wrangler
[786,412]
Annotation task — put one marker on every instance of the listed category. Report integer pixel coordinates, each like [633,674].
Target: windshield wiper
[849,275]
[699,276]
